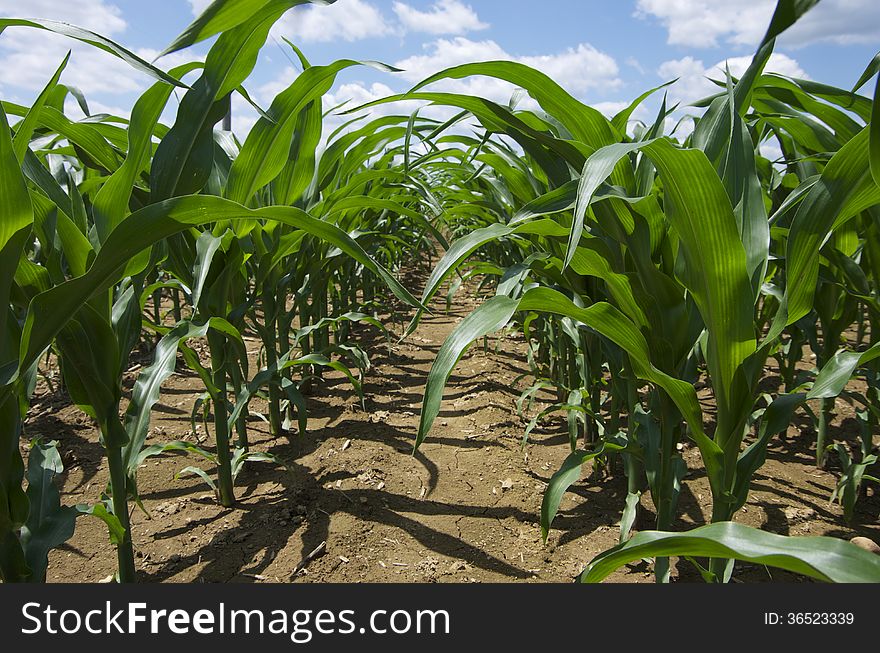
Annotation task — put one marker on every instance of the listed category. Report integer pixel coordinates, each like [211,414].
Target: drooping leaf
[823,558]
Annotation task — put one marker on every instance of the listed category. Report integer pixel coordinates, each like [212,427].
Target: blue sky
[605,52]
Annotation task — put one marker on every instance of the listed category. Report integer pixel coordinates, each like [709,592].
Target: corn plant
[131,220]
[662,251]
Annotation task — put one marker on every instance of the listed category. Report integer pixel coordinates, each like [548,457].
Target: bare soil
[463,509]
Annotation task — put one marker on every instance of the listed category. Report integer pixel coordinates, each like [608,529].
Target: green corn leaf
[13,500]
[175,446]
[202,474]
[16,203]
[565,477]
[875,133]
[715,264]
[296,399]
[299,172]
[823,558]
[586,123]
[34,170]
[114,527]
[837,372]
[870,70]
[17,218]
[89,356]
[740,178]
[207,245]
[49,524]
[557,200]
[597,169]
[147,387]
[224,15]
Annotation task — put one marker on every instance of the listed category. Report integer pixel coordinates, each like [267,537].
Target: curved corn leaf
[202,474]
[147,387]
[114,527]
[587,124]
[565,477]
[823,558]
[49,524]
[837,372]
[224,15]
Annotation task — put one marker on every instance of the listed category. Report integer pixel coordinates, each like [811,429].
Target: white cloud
[702,23]
[95,15]
[356,93]
[632,62]
[347,20]
[444,17]
[694,84]
[198,6]
[27,63]
[691,74]
[610,109]
[73,110]
[577,69]
[267,92]
[844,22]
[770,150]
[29,57]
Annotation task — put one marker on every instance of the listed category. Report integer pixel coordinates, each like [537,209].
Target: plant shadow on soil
[464,508]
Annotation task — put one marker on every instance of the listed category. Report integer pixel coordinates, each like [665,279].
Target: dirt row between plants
[463,509]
